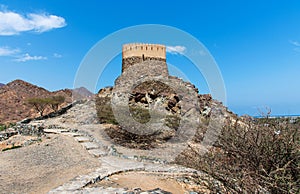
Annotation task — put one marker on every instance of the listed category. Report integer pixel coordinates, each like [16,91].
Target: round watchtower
[138,52]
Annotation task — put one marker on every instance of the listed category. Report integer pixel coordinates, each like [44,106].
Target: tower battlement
[142,49]
[138,52]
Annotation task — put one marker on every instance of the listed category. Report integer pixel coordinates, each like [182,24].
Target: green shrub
[2,127]
[140,114]
[104,110]
[6,126]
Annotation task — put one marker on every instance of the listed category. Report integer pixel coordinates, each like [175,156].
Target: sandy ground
[145,181]
[41,167]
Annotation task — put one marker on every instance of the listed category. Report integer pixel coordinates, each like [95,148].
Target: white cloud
[176,49]
[27,57]
[56,55]
[6,51]
[295,43]
[43,22]
[12,23]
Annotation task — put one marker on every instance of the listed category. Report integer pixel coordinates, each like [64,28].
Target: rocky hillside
[13,97]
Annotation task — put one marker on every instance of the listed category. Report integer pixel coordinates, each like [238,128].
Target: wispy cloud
[56,55]
[16,55]
[297,49]
[295,43]
[12,23]
[28,57]
[176,49]
[6,51]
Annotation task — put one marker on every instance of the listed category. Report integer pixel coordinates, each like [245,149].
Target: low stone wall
[53,114]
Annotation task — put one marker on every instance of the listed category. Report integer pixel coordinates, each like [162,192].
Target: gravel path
[41,167]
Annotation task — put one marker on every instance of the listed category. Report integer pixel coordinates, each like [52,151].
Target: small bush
[140,114]
[104,110]
[6,126]
[172,121]
[2,127]
[261,155]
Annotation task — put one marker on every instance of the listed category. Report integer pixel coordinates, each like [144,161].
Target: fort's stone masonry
[138,52]
[128,62]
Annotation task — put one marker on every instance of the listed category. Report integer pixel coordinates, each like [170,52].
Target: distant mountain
[1,85]
[13,97]
[81,92]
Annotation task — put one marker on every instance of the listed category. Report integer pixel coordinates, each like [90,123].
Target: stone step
[120,164]
[72,134]
[97,152]
[90,145]
[82,139]
[56,131]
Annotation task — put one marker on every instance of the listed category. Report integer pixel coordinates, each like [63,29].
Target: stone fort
[136,53]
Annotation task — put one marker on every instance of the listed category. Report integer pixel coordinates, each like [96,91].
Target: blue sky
[256,44]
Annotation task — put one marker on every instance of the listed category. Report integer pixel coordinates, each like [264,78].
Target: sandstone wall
[148,50]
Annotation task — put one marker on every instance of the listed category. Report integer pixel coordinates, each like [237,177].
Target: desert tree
[40,104]
[55,101]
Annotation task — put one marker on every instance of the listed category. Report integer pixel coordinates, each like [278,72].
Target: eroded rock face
[156,93]
[147,105]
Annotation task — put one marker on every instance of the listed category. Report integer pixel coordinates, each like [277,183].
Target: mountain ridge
[14,96]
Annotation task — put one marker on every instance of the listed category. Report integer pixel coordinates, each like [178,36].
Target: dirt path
[41,167]
[144,181]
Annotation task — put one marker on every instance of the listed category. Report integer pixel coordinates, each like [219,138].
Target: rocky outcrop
[21,129]
[150,108]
